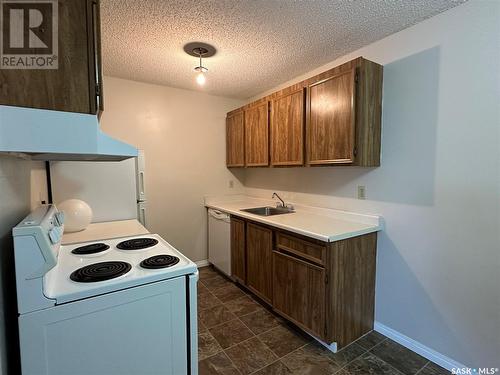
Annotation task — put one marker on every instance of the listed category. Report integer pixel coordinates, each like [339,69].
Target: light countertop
[321,223]
[105,230]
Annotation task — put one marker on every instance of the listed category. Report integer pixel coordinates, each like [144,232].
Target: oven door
[142,330]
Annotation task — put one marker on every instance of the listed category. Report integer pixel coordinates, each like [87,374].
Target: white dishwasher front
[219,240]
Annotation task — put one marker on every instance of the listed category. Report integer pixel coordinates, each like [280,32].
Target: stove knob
[55,235]
[59,218]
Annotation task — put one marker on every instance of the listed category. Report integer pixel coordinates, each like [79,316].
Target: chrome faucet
[282,201]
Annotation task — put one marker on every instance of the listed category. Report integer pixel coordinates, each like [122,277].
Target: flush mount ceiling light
[200,50]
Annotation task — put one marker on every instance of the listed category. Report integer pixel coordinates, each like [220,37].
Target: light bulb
[200,79]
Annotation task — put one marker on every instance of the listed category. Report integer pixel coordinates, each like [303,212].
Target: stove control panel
[37,240]
[43,232]
[55,234]
[59,218]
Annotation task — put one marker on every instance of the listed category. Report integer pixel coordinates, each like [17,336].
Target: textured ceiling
[260,43]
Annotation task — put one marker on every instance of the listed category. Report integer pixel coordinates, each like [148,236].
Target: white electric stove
[107,307]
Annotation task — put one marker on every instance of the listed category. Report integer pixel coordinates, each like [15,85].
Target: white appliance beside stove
[114,190]
[111,307]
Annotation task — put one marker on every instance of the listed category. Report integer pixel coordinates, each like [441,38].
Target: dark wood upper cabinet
[259,272]
[76,86]
[257,136]
[342,112]
[287,129]
[330,119]
[235,139]
[368,113]
[344,115]
[238,253]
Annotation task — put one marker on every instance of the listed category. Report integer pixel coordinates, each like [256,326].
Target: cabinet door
[259,261]
[257,136]
[235,141]
[299,292]
[66,88]
[238,259]
[287,129]
[331,120]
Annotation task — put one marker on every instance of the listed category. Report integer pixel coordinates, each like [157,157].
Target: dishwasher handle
[219,215]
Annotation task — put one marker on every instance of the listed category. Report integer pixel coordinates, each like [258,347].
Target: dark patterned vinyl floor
[238,336]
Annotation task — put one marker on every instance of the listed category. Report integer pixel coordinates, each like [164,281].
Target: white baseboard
[418,348]
[202,263]
[331,347]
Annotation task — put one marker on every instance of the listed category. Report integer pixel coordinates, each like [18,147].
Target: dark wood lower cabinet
[299,292]
[351,291]
[238,253]
[327,289]
[259,261]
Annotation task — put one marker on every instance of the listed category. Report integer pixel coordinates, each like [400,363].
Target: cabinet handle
[298,260]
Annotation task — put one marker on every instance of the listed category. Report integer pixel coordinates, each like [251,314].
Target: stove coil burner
[90,249]
[137,243]
[159,261]
[100,271]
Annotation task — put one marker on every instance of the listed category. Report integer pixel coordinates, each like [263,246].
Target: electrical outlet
[361,192]
[231,184]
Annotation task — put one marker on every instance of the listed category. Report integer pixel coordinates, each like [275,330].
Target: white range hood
[40,134]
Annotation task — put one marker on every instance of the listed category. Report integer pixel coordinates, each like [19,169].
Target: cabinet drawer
[310,251]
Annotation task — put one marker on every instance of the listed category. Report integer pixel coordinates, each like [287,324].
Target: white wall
[14,206]
[183,135]
[438,187]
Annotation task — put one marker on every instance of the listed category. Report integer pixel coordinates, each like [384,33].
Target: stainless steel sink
[268,211]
